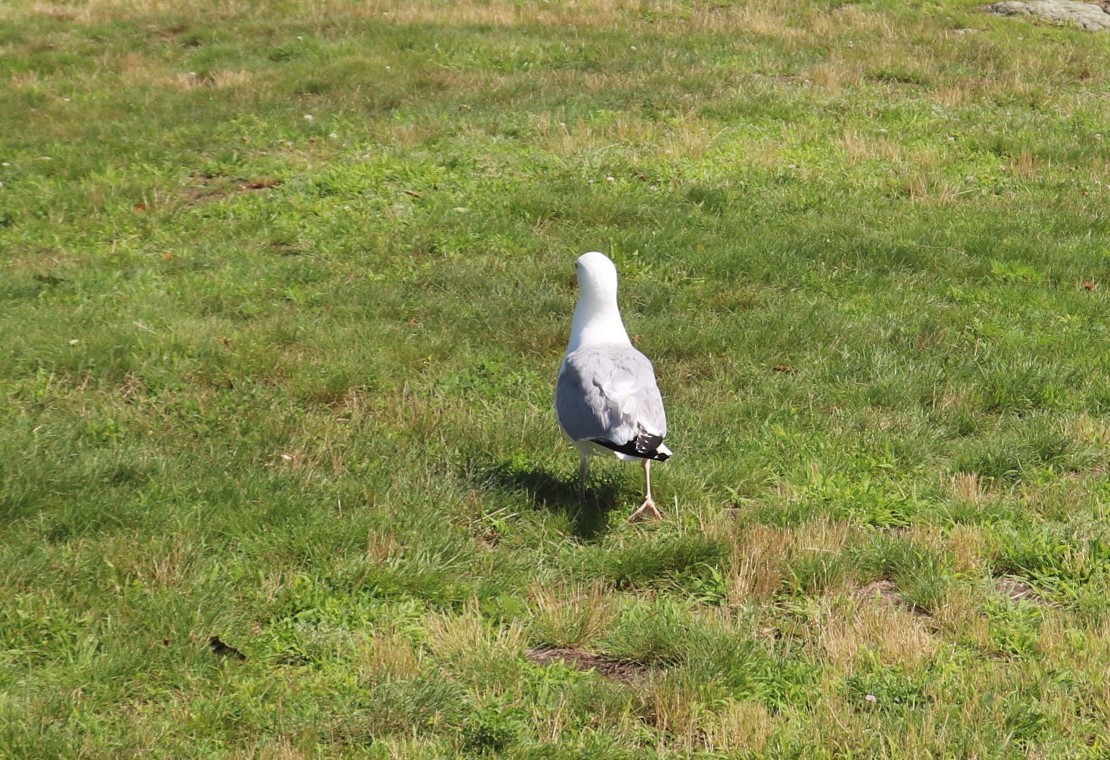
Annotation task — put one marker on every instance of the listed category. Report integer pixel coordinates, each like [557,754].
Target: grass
[283,288]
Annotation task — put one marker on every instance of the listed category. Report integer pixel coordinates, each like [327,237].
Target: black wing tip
[642,446]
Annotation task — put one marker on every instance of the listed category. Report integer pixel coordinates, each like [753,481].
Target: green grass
[283,290]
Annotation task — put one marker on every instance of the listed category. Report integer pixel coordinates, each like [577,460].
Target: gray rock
[1087,16]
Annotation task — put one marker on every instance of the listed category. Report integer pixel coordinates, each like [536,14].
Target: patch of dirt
[1090,16]
[882,591]
[1019,591]
[619,670]
[1096,471]
[885,593]
[262,183]
[212,188]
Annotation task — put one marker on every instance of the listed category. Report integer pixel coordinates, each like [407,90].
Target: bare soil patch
[619,670]
[1019,591]
[885,594]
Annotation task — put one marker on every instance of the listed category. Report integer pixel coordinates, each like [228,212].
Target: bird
[220,649]
[607,400]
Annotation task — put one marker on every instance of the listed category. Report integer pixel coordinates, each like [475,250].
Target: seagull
[606,398]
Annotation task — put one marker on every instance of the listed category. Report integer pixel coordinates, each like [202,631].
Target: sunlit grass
[282,294]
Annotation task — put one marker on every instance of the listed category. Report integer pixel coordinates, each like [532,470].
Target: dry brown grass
[760,18]
[960,615]
[746,726]
[671,705]
[565,616]
[382,546]
[858,147]
[845,627]
[25,80]
[97,11]
[1025,164]
[967,486]
[835,74]
[585,13]
[465,641]
[970,547]
[1090,430]
[839,724]
[168,567]
[926,186]
[765,17]
[223,78]
[761,555]
[956,93]
[687,138]
[387,656]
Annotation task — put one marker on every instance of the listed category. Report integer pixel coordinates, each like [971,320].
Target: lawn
[283,291]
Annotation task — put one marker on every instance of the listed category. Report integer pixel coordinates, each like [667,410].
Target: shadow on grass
[588,520]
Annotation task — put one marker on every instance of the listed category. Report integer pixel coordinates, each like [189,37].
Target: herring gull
[606,397]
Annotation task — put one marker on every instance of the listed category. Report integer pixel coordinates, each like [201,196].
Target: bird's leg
[648,508]
[583,471]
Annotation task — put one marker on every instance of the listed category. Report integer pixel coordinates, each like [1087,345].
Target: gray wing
[609,393]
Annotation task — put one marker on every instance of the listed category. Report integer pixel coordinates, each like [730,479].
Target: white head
[596,317]
[597,277]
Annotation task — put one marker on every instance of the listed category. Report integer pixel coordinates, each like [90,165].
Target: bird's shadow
[589,519]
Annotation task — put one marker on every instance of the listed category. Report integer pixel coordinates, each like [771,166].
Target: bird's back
[608,392]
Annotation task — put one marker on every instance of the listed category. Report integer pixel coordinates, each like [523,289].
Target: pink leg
[647,510]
